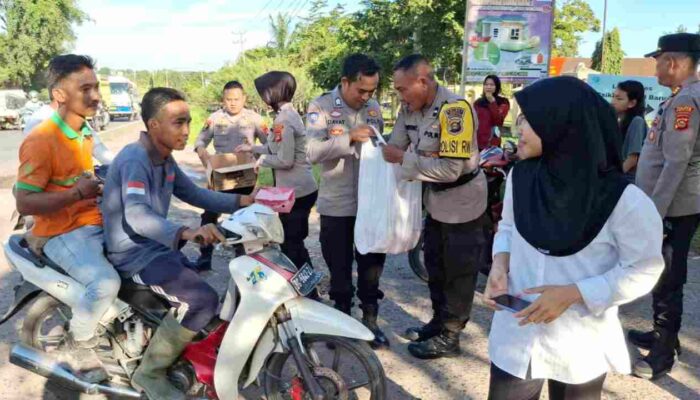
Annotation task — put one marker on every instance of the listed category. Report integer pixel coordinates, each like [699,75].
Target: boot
[204,260]
[446,344]
[81,359]
[660,359]
[165,347]
[645,340]
[425,332]
[369,319]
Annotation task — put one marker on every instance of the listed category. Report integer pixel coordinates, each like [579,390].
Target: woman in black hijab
[575,241]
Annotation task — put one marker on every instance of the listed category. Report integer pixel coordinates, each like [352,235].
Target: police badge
[456,130]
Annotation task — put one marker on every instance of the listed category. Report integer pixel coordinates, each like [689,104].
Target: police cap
[677,42]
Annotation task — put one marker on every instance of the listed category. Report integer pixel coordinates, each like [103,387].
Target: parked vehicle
[267,331]
[11,104]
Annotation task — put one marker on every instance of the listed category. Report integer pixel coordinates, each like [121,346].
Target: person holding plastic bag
[440,127]
[285,153]
[337,123]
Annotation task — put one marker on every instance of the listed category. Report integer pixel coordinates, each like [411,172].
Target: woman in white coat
[576,240]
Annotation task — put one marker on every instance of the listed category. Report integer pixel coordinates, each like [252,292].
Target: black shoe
[660,359]
[645,340]
[369,319]
[445,344]
[425,332]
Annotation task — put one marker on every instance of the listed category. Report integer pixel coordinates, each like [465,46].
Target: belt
[462,180]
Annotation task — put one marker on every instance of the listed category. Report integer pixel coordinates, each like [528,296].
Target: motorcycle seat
[143,299]
[18,245]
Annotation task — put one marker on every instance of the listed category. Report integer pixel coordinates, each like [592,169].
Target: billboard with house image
[509,38]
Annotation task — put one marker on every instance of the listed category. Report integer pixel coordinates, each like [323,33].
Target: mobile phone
[511,303]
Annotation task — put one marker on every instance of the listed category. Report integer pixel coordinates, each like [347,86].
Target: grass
[265,175]
[695,243]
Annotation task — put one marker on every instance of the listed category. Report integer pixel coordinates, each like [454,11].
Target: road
[406,304]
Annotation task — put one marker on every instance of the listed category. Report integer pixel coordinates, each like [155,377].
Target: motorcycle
[267,332]
[495,162]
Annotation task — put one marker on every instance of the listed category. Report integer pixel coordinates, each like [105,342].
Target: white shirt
[99,151]
[621,264]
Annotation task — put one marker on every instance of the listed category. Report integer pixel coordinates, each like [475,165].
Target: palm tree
[282,32]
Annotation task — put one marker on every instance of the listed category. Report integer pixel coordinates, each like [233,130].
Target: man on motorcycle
[144,246]
[56,186]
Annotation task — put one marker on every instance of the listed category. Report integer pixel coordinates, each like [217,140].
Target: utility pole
[602,43]
[465,49]
[240,41]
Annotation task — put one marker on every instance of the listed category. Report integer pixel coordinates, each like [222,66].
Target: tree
[613,54]
[570,21]
[282,33]
[31,33]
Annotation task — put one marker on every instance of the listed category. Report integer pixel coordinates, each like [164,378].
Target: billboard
[509,38]
[653,92]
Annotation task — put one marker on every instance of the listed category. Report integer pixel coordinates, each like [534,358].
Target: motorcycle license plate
[306,279]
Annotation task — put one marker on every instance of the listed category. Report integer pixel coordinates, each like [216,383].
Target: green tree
[320,44]
[571,20]
[31,33]
[282,33]
[613,54]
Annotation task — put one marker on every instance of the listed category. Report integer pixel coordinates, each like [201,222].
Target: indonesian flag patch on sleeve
[135,187]
[683,114]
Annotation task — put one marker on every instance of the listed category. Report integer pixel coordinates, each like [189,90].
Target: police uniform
[669,172]
[328,124]
[228,132]
[285,154]
[455,199]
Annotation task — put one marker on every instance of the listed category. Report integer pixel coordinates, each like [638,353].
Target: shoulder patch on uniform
[277,129]
[457,128]
[682,121]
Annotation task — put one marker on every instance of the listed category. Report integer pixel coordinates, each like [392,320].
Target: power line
[299,9]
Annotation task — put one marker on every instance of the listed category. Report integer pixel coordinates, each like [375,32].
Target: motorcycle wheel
[43,328]
[341,381]
[415,260]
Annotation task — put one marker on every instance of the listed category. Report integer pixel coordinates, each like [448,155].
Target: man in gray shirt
[336,125]
[144,246]
[669,173]
[439,129]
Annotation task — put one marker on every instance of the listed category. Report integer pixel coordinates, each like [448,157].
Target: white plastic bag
[388,209]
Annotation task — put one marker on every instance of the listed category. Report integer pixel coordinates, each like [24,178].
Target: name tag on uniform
[456,130]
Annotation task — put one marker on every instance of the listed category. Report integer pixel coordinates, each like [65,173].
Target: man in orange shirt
[55,185]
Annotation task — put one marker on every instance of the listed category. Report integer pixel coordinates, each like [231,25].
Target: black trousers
[338,248]
[209,217]
[452,254]
[668,293]
[504,386]
[296,229]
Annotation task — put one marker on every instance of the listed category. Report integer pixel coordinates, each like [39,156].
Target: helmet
[256,223]
[33,95]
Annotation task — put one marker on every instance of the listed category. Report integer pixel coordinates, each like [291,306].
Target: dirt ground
[406,304]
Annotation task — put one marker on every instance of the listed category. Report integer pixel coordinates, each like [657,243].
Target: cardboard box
[231,171]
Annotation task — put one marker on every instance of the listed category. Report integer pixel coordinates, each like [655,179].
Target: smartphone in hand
[511,303]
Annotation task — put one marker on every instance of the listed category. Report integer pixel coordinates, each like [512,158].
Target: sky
[206,34]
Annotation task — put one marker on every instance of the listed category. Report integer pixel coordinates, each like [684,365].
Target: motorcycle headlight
[272,226]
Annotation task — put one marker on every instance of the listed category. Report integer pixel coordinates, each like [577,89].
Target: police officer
[229,127]
[440,128]
[336,124]
[669,172]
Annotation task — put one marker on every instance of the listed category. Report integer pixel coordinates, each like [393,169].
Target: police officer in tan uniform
[434,141]
[229,127]
[336,124]
[669,172]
